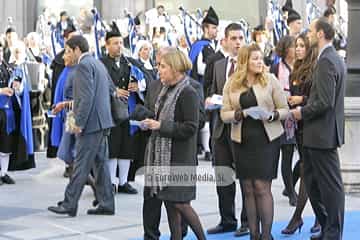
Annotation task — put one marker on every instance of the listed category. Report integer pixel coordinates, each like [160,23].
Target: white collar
[147,64]
[82,56]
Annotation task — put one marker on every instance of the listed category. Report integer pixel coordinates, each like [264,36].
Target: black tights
[302,199]
[298,173]
[259,204]
[175,212]
[287,152]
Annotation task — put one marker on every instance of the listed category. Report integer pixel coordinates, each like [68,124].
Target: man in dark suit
[209,70]
[152,205]
[222,70]
[200,52]
[323,117]
[92,123]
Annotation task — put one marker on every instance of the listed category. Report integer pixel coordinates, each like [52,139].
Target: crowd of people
[148,104]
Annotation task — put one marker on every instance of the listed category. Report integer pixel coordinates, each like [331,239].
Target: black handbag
[119,110]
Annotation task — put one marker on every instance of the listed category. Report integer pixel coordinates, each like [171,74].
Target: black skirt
[6,139]
[121,143]
[255,157]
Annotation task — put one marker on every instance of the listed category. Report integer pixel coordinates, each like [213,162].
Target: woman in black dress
[300,84]
[285,49]
[172,143]
[255,136]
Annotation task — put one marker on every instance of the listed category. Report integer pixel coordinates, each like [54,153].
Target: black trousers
[152,216]
[224,157]
[324,186]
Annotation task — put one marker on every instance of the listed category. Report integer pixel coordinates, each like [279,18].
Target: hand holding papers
[257,113]
[215,102]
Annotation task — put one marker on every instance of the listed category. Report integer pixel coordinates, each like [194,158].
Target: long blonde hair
[238,79]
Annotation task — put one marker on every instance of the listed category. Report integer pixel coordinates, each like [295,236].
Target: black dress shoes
[242,231]
[61,210]
[1,182]
[95,203]
[316,228]
[316,237]
[127,188]
[100,211]
[68,171]
[208,156]
[7,179]
[221,229]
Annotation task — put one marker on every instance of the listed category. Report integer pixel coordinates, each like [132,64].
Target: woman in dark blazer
[300,84]
[172,144]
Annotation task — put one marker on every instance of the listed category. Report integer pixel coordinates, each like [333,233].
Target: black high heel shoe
[316,228]
[291,230]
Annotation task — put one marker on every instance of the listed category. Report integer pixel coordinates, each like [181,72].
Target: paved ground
[23,213]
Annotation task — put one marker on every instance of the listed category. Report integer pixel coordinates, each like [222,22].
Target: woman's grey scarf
[158,151]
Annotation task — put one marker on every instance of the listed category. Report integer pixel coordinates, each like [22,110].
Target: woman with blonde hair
[172,143]
[254,102]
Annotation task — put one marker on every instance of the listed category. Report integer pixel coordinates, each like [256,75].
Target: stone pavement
[23,213]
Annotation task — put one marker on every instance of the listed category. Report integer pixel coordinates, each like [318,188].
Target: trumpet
[181,8]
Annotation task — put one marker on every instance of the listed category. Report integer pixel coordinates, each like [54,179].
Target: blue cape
[24,101]
[26,121]
[6,105]
[136,73]
[195,50]
[58,120]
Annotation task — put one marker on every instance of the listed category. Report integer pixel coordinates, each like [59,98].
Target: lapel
[326,51]
[222,73]
[263,95]
[316,73]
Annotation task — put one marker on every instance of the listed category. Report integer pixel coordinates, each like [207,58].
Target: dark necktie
[232,66]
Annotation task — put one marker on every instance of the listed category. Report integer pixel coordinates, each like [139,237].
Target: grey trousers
[91,153]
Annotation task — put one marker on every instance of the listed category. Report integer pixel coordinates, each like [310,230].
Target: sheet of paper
[257,113]
[50,114]
[216,102]
[217,99]
[213,107]
[136,123]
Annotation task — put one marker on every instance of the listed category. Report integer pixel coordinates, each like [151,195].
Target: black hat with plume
[211,17]
[114,32]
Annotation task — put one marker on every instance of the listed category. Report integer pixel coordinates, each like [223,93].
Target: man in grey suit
[92,123]
[323,117]
[223,152]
